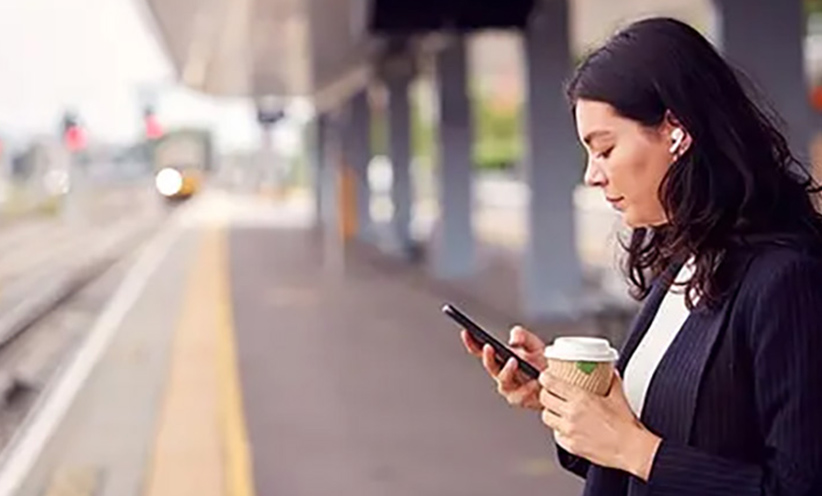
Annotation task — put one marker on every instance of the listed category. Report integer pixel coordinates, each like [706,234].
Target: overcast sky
[93,56]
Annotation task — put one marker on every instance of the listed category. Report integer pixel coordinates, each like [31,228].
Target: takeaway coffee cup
[583,361]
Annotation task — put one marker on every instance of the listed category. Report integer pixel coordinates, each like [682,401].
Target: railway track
[49,302]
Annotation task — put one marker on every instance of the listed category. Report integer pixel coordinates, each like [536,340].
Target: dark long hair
[737,181]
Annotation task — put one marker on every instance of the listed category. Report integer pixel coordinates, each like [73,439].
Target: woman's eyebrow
[594,135]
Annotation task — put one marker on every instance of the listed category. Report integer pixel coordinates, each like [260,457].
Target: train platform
[239,356]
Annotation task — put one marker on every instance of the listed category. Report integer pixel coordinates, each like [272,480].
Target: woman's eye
[605,154]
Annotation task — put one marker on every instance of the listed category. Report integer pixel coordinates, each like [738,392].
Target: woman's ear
[678,137]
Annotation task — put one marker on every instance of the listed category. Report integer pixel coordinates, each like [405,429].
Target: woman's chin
[637,221]
[630,219]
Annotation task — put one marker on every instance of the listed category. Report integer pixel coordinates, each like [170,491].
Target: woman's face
[627,160]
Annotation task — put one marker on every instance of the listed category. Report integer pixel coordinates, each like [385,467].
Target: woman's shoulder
[772,261]
[781,289]
[769,267]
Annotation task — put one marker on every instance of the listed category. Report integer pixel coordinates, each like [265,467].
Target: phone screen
[502,352]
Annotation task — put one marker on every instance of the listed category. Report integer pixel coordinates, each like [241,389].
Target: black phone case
[503,353]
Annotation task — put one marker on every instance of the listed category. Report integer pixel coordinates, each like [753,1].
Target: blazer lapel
[670,404]
[644,318]
[601,481]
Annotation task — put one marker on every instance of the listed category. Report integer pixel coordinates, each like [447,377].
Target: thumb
[526,340]
[617,391]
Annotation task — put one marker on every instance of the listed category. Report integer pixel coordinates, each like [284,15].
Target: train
[182,160]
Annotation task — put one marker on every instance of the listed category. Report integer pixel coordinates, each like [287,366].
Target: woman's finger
[528,346]
[553,421]
[524,395]
[526,340]
[523,353]
[472,346]
[550,402]
[559,387]
[507,375]
[489,361]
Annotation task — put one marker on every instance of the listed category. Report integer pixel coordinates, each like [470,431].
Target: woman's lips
[615,201]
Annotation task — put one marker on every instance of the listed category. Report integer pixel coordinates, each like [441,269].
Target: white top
[669,319]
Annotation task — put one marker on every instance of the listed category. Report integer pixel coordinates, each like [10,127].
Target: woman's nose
[594,175]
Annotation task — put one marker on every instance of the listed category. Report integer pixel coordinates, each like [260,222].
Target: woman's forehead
[595,120]
[599,121]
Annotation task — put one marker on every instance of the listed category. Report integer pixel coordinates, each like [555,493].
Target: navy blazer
[737,398]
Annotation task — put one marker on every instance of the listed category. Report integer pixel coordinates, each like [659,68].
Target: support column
[333,193]
[551,276]
[774,62]
[319,162]
[454,250]
[329,174]
[399,145]
[358,156]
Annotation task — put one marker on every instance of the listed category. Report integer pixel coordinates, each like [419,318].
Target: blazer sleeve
[572,463]
[785,338]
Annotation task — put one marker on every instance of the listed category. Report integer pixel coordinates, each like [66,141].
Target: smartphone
[502,352]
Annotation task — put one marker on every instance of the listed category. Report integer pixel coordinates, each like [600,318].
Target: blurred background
[416,151]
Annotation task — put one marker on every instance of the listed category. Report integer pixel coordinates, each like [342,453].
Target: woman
[719,385]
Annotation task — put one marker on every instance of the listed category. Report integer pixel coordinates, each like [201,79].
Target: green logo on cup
[587,368]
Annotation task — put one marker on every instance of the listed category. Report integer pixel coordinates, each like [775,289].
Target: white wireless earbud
[677,135]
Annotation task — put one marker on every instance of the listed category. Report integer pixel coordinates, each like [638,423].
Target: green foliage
[498,134]
[813,6]
[423,136]
[497,130]
[379,132]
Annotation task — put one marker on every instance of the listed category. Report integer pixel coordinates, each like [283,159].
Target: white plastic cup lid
[581,349]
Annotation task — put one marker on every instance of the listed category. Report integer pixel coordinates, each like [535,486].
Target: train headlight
[169,182]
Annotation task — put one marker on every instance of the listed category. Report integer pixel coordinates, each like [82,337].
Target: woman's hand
[601,429]
[514,386]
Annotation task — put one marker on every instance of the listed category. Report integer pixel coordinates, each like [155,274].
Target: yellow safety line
[239,473]
[74,481]
[201,445]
